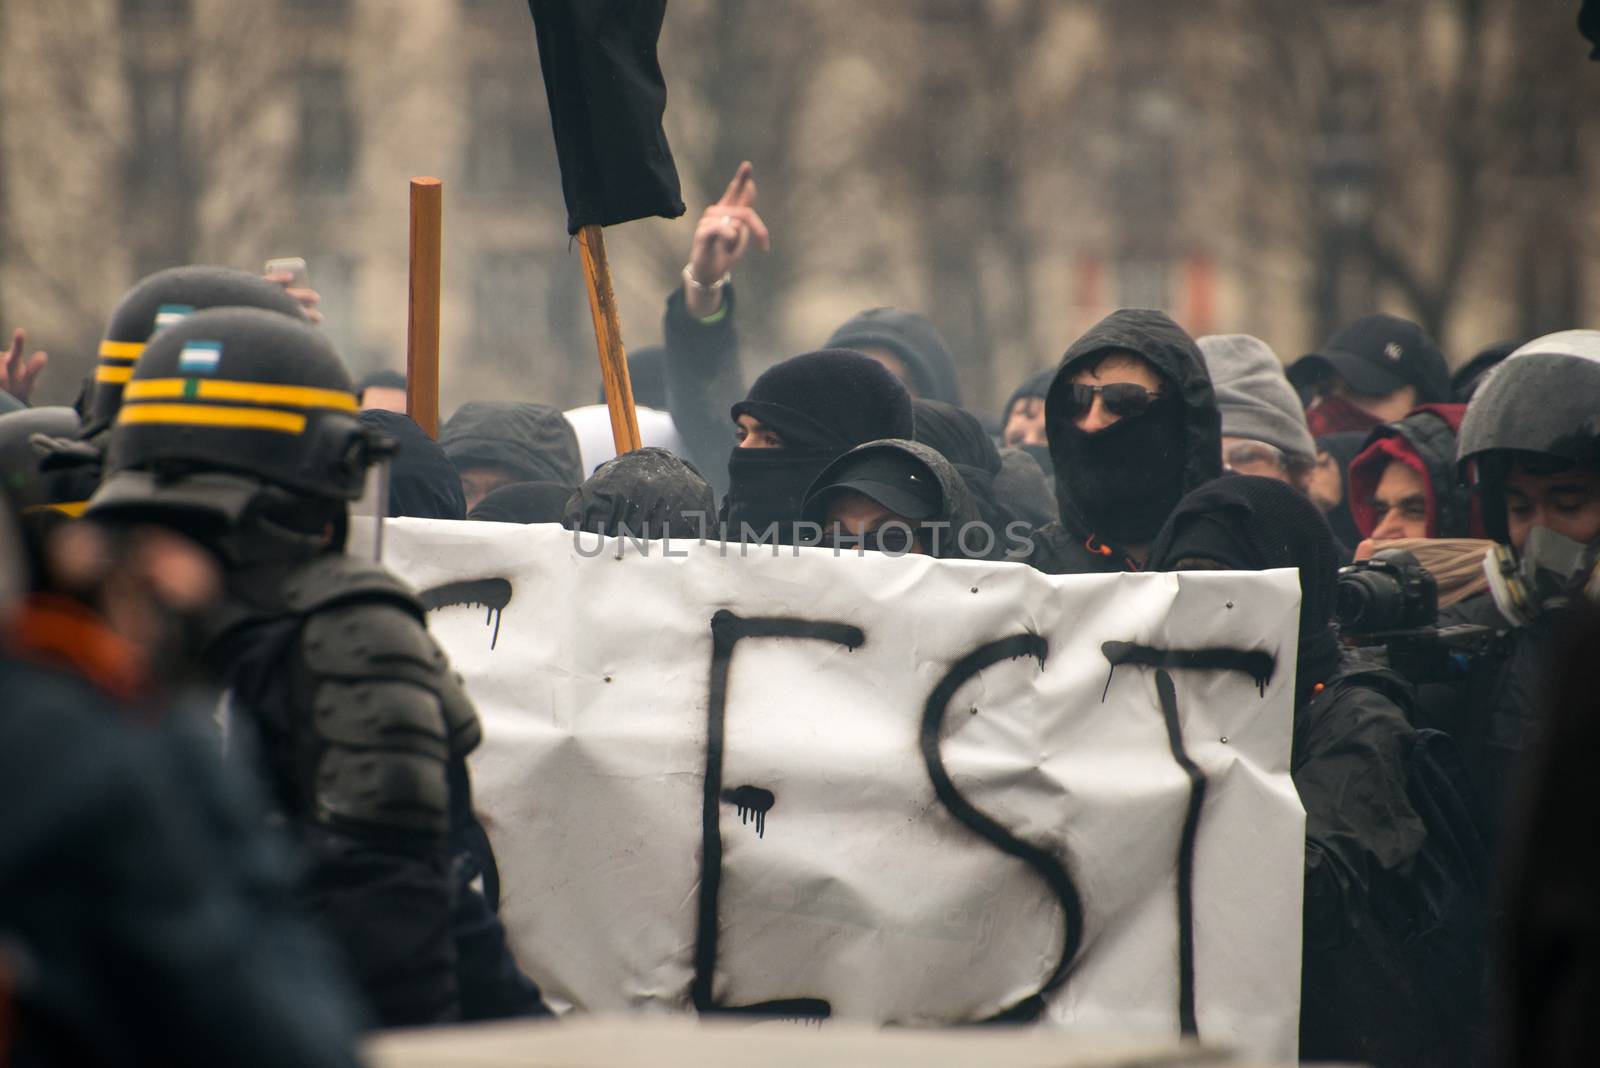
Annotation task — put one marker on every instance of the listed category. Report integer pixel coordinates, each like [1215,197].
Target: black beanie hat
[832,398]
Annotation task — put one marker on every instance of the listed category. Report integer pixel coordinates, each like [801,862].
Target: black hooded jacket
[523,502]
[703,379]
[960,530]
[1035,385]
[647,493]
[533,440]
[1539,401]
[1011,492]
[1077,543]
[422,481]
[956,434]
[1392,956]
[1246,523]
[1343,447]
[914,340]
[1552,943]
[1023,490]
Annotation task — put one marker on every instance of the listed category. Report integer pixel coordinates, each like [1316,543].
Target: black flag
[607,97]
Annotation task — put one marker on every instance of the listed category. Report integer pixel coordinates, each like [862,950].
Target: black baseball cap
[1378,354]
[894,478]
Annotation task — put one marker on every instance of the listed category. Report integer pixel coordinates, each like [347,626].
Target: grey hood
[911,337]
[533,440]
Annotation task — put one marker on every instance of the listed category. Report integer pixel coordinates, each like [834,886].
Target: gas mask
[1549,573]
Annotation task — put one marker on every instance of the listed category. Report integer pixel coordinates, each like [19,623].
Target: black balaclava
[647,493]
[821,404]
[1125,479]
[1247,523]
[523,502]
[1119,484]
[422,482]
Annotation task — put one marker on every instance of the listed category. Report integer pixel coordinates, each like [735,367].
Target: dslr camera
[1390,604]
[1388,592]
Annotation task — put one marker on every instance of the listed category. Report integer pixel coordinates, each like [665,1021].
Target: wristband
[705,287]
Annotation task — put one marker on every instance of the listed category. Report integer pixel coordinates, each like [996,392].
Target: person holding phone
[291,273]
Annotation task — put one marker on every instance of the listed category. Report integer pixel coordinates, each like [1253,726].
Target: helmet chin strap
[283,526]
[1549,573]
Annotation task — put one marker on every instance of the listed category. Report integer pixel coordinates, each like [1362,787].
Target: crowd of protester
[261,883]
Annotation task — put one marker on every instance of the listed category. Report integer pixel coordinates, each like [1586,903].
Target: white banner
[901,790]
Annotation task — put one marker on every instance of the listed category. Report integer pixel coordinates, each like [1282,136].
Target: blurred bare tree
[148,142]
[1012,168]
[1408,135]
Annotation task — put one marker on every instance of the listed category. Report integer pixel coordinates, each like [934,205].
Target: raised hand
[725,231]
[308,298]
[17,376]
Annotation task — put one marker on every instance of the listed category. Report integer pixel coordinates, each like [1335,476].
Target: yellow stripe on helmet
[116,375]
[214,415]
[121,350]
[251,392]
[71,508]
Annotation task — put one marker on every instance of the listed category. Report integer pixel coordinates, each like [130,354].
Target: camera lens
[1368,601]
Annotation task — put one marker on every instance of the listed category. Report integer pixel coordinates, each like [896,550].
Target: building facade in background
[1015,168]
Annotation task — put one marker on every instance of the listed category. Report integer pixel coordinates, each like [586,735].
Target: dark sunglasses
[1120,398]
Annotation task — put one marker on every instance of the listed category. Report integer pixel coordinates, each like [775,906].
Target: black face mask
[767,487]
[1126,479]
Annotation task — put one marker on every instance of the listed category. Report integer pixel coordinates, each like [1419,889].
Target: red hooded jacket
[1425,441]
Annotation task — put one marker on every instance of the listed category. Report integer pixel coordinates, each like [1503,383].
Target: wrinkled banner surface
[903,790]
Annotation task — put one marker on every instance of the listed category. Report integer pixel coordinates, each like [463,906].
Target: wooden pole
[608,339]
[422,332]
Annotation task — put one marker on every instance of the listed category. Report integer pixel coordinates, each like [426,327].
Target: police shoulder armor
[387,715]
[331,579]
